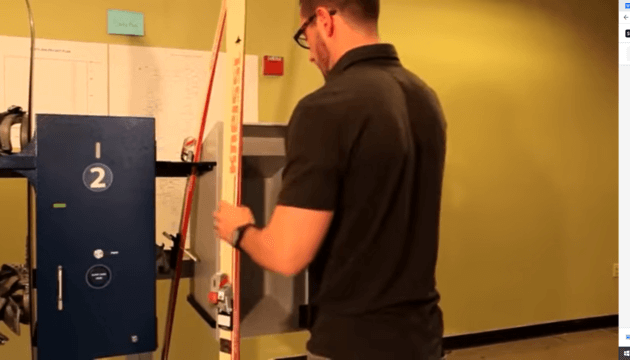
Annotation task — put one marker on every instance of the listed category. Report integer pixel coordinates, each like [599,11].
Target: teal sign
[125,23]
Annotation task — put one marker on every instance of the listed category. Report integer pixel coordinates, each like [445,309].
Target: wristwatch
[238,235]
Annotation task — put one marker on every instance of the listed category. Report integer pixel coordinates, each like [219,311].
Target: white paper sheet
[171,85]
[69,77]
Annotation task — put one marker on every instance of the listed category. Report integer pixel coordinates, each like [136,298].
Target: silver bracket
[226,297]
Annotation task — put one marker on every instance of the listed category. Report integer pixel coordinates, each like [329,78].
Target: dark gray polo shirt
[370,146]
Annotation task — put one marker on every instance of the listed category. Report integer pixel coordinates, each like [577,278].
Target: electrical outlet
[615,270]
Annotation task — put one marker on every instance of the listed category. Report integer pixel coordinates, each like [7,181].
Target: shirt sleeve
[310,178]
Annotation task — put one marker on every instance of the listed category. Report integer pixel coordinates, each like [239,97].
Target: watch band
[241,232]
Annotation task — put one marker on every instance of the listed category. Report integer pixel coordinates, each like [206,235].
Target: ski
[190,188]
[229,321]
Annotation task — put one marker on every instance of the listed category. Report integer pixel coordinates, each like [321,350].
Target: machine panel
[270,303]
[95,236]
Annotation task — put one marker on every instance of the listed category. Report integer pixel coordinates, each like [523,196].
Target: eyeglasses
[300,35]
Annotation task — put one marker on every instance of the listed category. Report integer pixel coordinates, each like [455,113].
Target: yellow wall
[529,225]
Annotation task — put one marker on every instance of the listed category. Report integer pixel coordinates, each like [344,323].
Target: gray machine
[94,180]
[270,303]
[87,289]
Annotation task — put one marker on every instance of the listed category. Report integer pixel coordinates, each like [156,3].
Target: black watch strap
[241,232]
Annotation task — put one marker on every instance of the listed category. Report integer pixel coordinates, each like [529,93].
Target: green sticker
[59,206]
[125,22]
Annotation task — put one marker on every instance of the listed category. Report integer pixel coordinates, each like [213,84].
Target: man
[360,201]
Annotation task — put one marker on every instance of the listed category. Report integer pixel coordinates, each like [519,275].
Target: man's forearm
[264,249]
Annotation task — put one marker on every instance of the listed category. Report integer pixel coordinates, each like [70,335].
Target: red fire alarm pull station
[273,66]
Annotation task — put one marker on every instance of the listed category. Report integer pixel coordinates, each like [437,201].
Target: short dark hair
[361,11]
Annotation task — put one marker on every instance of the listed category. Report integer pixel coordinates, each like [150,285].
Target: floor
[590,345]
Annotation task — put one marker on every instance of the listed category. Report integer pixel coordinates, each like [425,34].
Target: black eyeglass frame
[302,29]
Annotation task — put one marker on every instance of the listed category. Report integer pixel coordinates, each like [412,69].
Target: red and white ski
[190,188]
[229,261]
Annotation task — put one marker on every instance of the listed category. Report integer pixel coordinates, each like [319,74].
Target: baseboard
[529,332]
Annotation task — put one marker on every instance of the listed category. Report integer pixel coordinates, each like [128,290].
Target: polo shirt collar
[363,53]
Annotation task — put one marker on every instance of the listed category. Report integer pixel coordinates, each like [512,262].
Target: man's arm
[290,241]
[310,189]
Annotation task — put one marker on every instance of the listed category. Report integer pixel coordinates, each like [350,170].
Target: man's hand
[229,218]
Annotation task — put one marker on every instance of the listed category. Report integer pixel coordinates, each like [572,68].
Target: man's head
[330,28]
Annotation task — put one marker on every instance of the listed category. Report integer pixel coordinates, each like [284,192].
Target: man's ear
[324,21]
